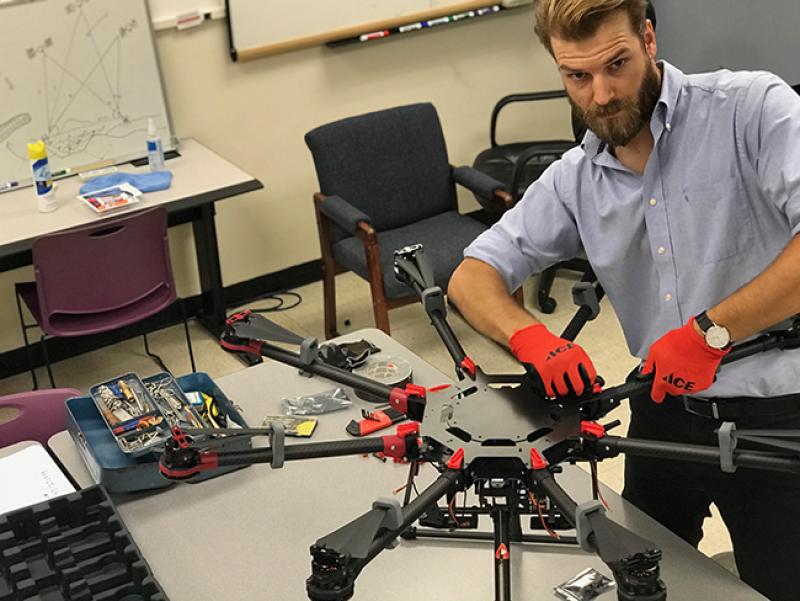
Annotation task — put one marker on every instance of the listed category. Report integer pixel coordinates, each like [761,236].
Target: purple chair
[41,414]
[100,277]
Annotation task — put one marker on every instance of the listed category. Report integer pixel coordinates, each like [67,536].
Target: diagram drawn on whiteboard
[80,79]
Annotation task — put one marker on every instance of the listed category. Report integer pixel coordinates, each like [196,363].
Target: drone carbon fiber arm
[633,560]
[339,557]
[182,458]
[411,267]
[250,332]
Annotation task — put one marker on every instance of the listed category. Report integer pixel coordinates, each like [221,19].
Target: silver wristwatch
[717,337]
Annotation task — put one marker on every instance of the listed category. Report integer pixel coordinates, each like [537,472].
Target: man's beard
[634,113]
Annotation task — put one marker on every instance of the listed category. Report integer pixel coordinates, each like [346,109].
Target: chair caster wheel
[547,305]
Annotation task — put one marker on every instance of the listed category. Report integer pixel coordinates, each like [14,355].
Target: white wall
[255,114]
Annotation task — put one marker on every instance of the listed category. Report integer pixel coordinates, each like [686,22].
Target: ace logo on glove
[678,382]
[561,349]
[563,366]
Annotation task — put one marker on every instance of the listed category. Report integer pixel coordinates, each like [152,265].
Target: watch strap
[704,321]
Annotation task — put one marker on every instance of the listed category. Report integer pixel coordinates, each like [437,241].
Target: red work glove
[683,363]
[562,365]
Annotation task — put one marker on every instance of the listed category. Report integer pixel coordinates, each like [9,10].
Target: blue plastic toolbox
[119,472]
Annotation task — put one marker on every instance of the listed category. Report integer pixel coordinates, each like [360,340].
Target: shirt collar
[672,82]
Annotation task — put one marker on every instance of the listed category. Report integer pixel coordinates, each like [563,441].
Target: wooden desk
[246,535]
[200,178]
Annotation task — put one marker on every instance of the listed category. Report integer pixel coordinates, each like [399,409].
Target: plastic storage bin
[72,548]
[119,472]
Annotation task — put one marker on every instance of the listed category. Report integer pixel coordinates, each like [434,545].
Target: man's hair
[580,19]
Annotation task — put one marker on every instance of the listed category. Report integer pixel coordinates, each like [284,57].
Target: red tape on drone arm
[208,461]
[253,346]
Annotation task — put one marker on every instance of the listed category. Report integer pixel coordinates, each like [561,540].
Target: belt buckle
[714,406]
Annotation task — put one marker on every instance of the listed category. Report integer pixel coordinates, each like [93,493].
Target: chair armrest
[491,193]
[526,97]
[342,213]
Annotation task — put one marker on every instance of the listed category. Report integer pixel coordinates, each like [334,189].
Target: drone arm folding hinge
[409,400]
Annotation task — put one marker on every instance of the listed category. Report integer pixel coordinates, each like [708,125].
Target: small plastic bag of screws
[586,586]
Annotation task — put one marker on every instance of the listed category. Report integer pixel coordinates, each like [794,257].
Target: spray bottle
[155,150]
[42,178]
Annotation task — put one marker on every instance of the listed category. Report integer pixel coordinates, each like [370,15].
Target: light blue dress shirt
[718,201]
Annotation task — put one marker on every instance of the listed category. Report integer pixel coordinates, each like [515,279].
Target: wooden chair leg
[329,300]
[381,312]
[380,307]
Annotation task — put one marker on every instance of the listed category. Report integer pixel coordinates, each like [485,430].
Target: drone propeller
[257,327]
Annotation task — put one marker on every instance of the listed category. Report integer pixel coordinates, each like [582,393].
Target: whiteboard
[83,76]
[735,34]
[261,27]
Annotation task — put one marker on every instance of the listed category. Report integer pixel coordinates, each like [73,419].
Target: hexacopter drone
[510,460]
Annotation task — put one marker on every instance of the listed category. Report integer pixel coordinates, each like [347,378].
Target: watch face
[717,337]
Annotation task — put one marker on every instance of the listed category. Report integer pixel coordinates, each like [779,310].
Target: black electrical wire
[281,302]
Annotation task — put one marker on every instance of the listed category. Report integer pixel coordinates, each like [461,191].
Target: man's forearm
[773,296]
[483,299]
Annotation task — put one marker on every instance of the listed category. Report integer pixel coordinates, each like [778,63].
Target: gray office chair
[385,183]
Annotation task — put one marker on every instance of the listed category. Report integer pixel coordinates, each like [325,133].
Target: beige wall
[255,114]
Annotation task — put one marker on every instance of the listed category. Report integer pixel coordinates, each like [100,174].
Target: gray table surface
[246,535]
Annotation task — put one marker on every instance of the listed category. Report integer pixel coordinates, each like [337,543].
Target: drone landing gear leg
[501,517]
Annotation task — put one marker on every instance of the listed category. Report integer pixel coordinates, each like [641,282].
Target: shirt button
[667,297]
[661,251]
[653,202]
[669,126]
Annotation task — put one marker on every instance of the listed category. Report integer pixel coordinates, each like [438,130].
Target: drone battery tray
[72,548]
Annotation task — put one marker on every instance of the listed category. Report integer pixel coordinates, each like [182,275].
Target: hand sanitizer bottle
[155,151]
[42,177]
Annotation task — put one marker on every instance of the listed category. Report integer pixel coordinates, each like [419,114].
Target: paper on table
[30,476]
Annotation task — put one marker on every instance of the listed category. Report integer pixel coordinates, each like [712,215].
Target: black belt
[735,408]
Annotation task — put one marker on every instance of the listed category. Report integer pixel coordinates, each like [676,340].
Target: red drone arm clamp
[409,400]
[592,430]
[469,366]
[537,461]
[396,445]
[207,460]
[240,345]
[240,316]
[181,461]
[457,460]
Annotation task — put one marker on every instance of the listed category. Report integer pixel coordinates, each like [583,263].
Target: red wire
[539,508]
[596,484]
[451,509]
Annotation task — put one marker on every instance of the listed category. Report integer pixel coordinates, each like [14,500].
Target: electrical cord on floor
[281,302]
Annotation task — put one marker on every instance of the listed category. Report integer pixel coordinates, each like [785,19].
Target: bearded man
[685,196]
